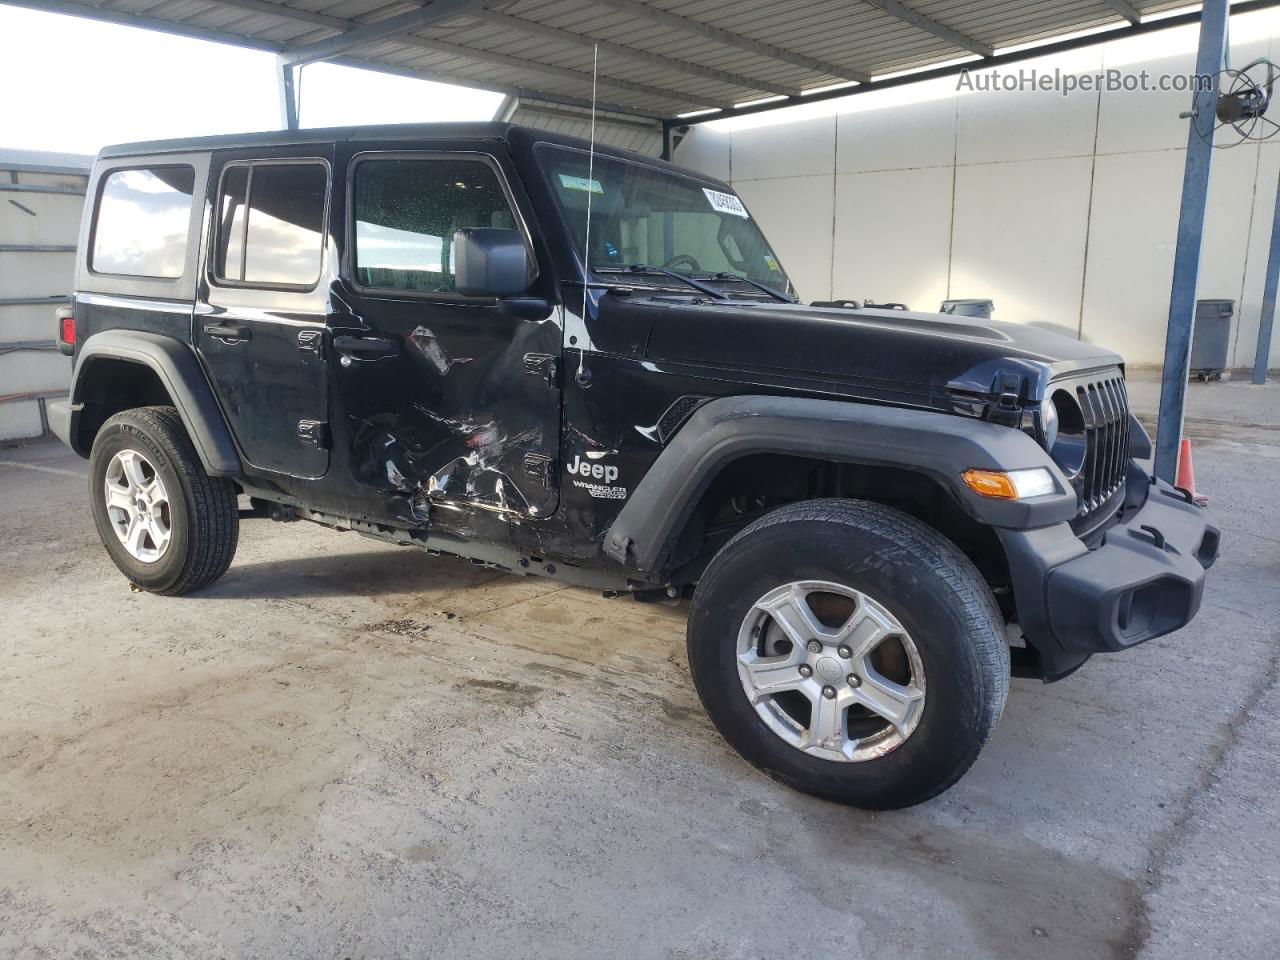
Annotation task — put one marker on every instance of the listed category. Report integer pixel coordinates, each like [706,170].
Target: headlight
[1049,422]
[1070,440]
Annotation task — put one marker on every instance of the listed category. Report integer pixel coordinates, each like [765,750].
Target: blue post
[1186,257]
[1268,317]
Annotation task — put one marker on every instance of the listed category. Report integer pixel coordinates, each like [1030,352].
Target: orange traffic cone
[1187,473]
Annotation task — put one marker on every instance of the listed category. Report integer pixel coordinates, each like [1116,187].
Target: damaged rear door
[448,399]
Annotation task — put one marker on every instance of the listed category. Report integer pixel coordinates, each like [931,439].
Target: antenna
[591,174]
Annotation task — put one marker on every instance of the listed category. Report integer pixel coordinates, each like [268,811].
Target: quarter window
[142,222]
[271,224]
[407,211]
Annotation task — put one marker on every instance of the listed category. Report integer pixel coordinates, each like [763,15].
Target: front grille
[1105,404]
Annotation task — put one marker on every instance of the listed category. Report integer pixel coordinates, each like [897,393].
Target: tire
[895,574]
[192,522]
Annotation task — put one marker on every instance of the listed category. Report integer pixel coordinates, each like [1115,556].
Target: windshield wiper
[763,288]
[647,268]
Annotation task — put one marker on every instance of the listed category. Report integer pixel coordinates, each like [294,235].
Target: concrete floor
[349,750]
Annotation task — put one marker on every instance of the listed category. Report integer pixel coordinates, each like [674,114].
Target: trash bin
[969,308]
[1212,339]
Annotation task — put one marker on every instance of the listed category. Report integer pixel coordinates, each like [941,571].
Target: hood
[917,355]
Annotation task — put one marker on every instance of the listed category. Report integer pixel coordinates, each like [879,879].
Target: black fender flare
[939,445]
[181,374]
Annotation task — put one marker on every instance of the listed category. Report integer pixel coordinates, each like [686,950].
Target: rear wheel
[850,651]
[168,525]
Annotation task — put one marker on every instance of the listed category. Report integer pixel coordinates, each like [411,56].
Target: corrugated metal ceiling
[657,58]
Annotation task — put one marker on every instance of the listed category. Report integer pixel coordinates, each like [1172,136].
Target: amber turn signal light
[1013,485]
[990,483]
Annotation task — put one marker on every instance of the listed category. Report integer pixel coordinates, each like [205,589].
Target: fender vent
[679,411]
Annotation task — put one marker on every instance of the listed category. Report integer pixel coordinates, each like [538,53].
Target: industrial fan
[1243,98]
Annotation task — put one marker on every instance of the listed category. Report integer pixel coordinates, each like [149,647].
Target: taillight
[66,331]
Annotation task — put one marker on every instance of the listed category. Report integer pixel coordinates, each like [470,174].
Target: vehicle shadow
[366,573]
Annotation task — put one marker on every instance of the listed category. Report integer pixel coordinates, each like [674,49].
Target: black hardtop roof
[398,132]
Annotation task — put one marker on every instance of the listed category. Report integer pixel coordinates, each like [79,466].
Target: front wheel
[168,525]
[850,651]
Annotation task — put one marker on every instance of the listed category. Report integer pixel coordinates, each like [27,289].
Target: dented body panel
[456,417]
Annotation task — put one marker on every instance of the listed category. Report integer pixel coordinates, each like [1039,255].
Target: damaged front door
[449,400]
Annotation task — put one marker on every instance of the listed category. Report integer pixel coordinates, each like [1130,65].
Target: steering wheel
[682,258]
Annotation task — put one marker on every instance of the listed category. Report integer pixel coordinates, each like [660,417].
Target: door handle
[228,332]
[369,348]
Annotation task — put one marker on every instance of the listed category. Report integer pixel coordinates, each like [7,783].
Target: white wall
[1063,210]
[28,218]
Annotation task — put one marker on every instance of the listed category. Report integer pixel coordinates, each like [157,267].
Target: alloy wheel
[831,671]
[138,506]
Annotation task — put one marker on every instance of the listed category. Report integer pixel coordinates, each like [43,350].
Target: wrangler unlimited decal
[597,471]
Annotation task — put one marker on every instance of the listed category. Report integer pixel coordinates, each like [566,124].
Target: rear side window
[271,223]
[142,222]
[407,211]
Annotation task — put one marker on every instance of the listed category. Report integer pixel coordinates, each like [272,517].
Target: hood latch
[1007,407]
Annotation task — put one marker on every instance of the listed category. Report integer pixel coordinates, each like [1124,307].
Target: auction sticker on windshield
[580,183]
[726,203]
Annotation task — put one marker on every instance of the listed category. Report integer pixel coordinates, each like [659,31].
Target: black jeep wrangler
[496,343]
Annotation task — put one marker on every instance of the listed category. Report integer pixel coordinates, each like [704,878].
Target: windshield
[640,215]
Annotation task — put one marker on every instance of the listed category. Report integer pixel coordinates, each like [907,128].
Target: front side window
[142,222]
[642,215]
[406,212]
[271,223]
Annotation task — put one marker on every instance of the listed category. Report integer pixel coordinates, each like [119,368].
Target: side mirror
[490,262]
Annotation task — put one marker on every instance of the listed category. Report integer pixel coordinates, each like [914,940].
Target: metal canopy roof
[658,59]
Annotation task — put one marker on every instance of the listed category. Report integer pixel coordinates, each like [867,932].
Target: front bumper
[1142,580]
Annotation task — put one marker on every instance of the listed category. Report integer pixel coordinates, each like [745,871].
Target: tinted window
[231,210]
[142,222]
[407,211]
[271,223]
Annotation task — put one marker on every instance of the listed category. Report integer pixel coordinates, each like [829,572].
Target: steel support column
[1267,319]
[1186,257]
[667,127]
[287,88]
